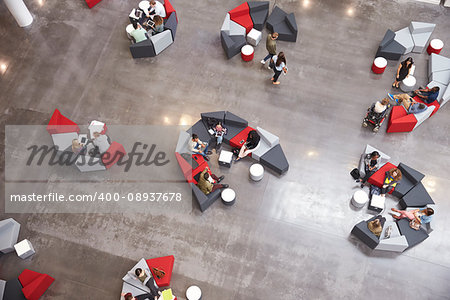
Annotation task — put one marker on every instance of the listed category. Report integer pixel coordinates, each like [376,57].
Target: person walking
[271,46]
[278,64]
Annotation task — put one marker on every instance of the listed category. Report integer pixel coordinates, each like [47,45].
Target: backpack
[355,173]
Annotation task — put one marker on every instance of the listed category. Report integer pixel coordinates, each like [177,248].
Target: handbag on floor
[355,173]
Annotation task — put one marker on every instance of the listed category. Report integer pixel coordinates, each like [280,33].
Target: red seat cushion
[186,168]
[115,152]
[241,15]
[403,124]
[169,9]
[378,177]
[240,138]
[202,164]
[435,103]
[61,124]
[35,289]
[163,263]
[92,3]
[27,276]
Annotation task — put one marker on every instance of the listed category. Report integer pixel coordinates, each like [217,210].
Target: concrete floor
[286,237]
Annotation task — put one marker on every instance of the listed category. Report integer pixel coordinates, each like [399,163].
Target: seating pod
[377,178]
[131,279]
[413,236]
[259,10]
[384,158]
[416,197]
[410,178]
[92,3]
[283,23]
[165,264]
[9,233]
[34,284]
[142,49]
[61,124]
[400,120]
[241,15]
[232,44]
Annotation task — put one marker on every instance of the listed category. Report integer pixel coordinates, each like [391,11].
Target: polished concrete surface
[286,237]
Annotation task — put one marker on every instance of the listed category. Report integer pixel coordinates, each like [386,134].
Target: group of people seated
[101,144]
[145,278]
[152,21]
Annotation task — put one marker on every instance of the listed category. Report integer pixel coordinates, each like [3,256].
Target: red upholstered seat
[435,103]
[92,3]
[241,15]
[186,168]
[61,124]
[235,142]
[378,177]
[27,276]
[169,9]
[400,121]
[34,284]
[163,263]
[202,164]
[115,152]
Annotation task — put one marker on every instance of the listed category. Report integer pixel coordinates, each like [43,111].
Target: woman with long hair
[403,70]
[392,177]
[278,64]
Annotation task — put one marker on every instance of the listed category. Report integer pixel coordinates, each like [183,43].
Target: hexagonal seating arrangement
[239,22]
[283,23]
[158,42]
[268,152]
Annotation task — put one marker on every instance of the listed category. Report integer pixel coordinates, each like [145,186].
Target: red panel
[37,288]
[27,276]
[403,124]
[241,15]
[113,154]
[186,168]
[378,177]
[163,263]
[92,3]
[169,9]
[61,124]
[432,50]
[235,142]
[435,103]
[202,164]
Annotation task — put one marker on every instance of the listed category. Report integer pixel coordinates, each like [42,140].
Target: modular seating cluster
[63,131]
[157,43]
[269,152]
[134,286]
[412,194]
[30,285]
[239,22]
[413,38]
[438,75]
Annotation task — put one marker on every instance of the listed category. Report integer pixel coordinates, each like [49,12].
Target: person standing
[403,71]
[271,46]
[278,64]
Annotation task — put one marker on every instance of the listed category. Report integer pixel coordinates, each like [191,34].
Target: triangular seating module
[115,152]
[35,289]
[92,3]
[27,276]
[402,124]
[241,15]
[169,9]
[240,10]
[61,124]
[163,263]
[434,103]
[186,168]
[377,178]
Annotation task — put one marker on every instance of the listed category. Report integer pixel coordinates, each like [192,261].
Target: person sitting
[376,225]
[156,8]
[371,164]
[129,296]
[148,280]
[209,183]
[77,147]
[428,95]
[139,34]
[392,177]
[381,106]
[219,131]
[159,24]
[101,142]
[196,146]
[423,216]
[249,146]
[411,106]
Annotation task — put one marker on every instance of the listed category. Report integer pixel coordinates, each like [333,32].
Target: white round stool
[256,172]
[129,30]
[408,84]
[228,196]
[360,198]
[193,293]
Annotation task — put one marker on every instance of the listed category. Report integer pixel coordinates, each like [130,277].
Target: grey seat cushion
[362,232]
[416,197]
[413,237]
[13,290]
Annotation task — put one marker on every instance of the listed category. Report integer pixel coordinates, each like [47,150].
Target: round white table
[144,5]
[256,172]
[408,84]
[228,196]
[129,30]
[193,293]
[360,198]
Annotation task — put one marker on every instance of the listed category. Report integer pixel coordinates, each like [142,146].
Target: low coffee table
[225,158]
[377,203]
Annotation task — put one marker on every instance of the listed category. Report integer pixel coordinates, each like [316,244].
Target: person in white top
[198,147]
[101,141]
[381,106]
[157,8]
[278,64]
